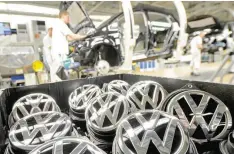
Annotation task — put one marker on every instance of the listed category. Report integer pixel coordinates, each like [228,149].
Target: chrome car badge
[151,130]
[118,86]
[201,113]
[80,97]
[68,145]
[146,95]
[104,113]
[30,104]
[33,130]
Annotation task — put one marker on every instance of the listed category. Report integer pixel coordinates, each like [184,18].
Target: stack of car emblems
[146,95]
[35,119]
[118,86]
[119,119]
[103,116]
[78,102]
[201,111]
[152,131]
[32,103]
[35,129]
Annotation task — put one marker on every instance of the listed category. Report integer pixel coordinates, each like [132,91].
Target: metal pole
[129,40]
[183,36]
[226,58]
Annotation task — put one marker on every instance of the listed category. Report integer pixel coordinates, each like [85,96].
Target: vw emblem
[35,129]
[68,145]
[151,130]
[146,95]
[106,111]
[118,86]
[79,99]
[32,103]
[201,112]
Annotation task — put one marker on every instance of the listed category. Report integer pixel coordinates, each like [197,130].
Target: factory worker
[196,47]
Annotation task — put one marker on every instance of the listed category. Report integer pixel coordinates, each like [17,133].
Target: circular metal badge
[68,145]
[206,117]
[30,104]
[80,97]
[106,111]
[151,130]
[146,95]
[118,86]
[35,129]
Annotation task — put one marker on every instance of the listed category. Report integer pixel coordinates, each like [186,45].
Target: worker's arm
[69,34]
[199,46]
[73,37]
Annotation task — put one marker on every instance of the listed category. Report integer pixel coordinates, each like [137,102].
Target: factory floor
[183,72]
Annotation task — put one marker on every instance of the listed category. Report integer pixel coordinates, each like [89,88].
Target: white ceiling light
[99,17]
[162,24]
[28,9]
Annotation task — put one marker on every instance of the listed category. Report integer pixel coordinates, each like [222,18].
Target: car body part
[206,117]
[68,145]
[104,42]
[35,129]
[102,67]
[152,132]
[103,115]
[146,95]
[118,86]
[30,104]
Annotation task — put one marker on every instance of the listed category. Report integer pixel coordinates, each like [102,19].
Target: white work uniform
[230,45]
[47,58]
[60,48]
[196,53]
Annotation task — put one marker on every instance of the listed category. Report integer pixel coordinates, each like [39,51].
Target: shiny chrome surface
[106,111]
[227,146]
[33,130]
[68,145]
[80,97]
[30,104]
[118,86]
[197,108]
[136,132]
[146,95]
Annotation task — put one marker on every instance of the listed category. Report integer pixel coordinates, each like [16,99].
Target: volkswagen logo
[30,104]
[79,99]
[68,145]
[201,113]
[103,115]
[146,95]
[33,130]
[118,86]
[106,111]
[151,130]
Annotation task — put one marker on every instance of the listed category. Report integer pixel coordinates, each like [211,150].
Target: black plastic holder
[60,91]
